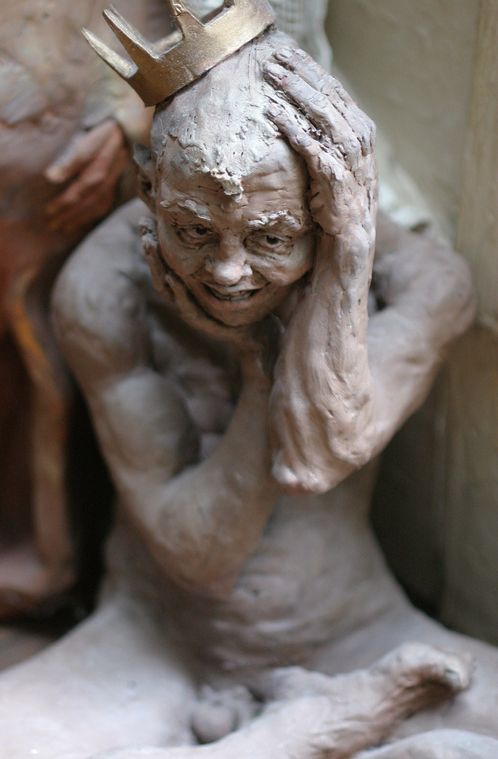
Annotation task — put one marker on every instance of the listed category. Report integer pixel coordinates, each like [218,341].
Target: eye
[272,240]
[195,234]
[265,242]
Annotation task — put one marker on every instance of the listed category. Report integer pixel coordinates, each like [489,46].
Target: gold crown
[158,70]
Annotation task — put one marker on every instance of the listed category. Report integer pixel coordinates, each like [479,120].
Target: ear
[146,171]
[150,247]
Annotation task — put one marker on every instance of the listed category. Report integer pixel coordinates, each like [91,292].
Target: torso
[300,588]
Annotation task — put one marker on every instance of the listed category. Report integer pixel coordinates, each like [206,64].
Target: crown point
[120,65]
[189,24]
[186,20]
[177,7]
[131,39]
[160,70]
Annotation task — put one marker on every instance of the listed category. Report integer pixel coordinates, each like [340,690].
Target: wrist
[256,367]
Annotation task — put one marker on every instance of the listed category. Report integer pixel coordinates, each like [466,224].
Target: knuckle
[320,103]
[94,179]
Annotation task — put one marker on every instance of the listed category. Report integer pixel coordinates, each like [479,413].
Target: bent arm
[368,376]
[344,386]
[201,522]
[427,292]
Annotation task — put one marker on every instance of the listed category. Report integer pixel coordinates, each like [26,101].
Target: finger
[321,159]
[315,75]
[92,205]
[79,152]
[318,108]
[97,175]
[111,151]
[339,198]
[80,217]
[308,69]
[194,315]
[105,168]
[325,165]
[190,311]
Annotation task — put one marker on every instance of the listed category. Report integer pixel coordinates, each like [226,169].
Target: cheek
[183,261]
[285,270]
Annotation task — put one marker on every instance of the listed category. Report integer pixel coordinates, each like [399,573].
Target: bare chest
[204,375]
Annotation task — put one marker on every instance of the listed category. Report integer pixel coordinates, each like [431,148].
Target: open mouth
[232,295]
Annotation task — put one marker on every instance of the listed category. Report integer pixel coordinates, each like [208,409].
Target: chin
[234,316]
[239,320]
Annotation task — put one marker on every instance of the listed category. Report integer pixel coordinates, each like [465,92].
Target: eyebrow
[194,208]
[276,218]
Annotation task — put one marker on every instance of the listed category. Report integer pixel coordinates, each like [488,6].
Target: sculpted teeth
[236,296]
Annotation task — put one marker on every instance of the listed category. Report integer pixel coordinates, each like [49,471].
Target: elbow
[328,453]
[203,570]
[205,580]
[464,299]
[452,297]
[316,475]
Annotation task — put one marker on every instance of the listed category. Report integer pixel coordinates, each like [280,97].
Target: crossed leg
[438,744]
[114,681]
[474,711]
[315,716]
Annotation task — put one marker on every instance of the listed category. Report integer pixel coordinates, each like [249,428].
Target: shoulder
[103,275]
[101,293]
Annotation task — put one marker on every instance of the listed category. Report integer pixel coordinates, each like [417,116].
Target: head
[230,199]
[228,193]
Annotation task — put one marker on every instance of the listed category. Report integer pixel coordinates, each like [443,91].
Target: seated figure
[241,393]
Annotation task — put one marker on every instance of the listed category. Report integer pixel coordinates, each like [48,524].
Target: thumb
[79,152]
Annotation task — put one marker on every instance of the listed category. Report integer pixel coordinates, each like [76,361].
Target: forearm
[363,385]
[343,307]
[322,399]
[427,297]
[202,523]
[206,521]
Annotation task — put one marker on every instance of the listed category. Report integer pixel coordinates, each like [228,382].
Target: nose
[229,264]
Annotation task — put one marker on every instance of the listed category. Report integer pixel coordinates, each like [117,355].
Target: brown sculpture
[63,121]
[238,406]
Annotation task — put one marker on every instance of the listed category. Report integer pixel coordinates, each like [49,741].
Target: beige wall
[411,62]
[427,71]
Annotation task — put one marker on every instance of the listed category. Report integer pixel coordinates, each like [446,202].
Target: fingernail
[274,71]
[304,140]
[54,176]
[285,54]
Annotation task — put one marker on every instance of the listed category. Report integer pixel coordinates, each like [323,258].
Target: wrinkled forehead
[278,180]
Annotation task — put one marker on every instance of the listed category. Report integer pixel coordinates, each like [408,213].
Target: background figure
[64,157]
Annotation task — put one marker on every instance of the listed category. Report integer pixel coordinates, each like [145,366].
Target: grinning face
[239,257]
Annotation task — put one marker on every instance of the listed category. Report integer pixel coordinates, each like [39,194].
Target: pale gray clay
[241,393]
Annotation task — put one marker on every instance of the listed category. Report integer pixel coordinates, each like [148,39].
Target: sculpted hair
[220,121]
